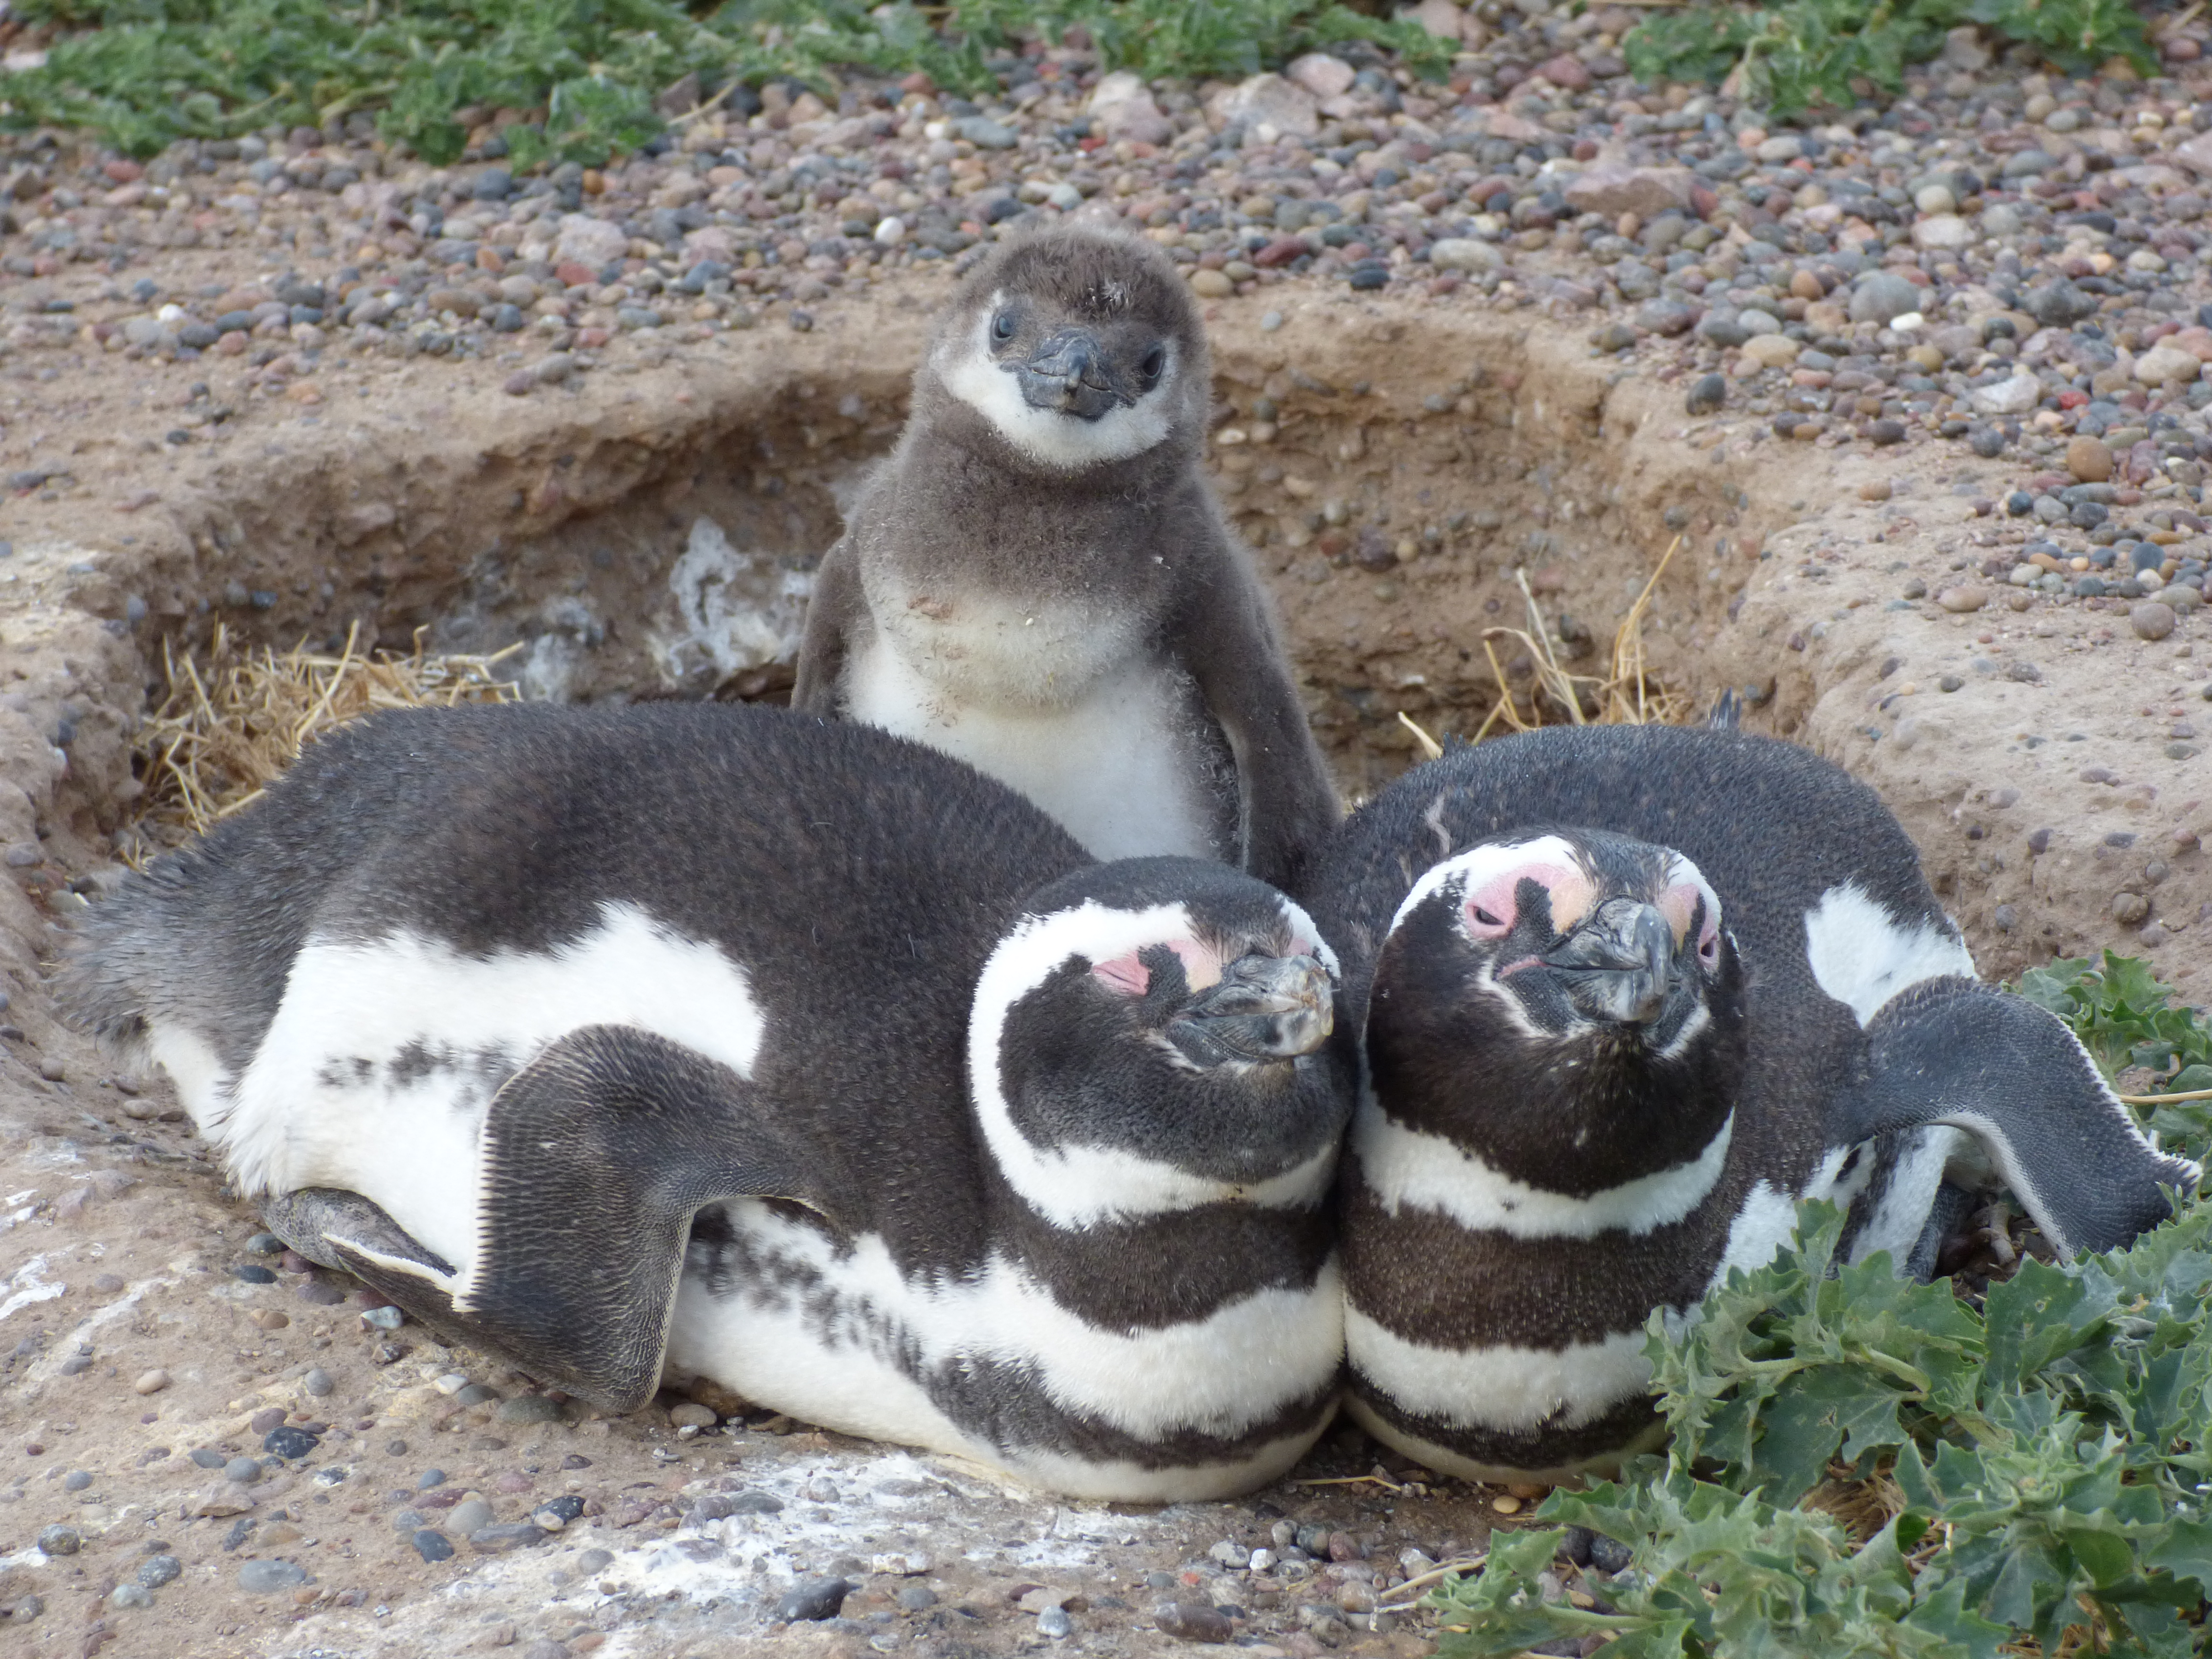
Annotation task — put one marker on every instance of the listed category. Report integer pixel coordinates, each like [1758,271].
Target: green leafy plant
[144,73]
[1807,54]
[2125,1016]
[2046,1457]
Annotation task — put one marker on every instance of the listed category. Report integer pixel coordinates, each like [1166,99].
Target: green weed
[2049,1452]
[1810,54]
[144,73]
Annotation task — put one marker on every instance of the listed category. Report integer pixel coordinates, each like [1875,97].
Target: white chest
[1117,761]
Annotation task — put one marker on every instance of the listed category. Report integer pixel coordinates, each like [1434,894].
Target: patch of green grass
[2046,1456]
[144,73]
[1811,54]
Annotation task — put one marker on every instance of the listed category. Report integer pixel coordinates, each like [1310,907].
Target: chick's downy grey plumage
[1041,582]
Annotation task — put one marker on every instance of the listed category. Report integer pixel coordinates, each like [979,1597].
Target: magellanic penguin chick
[1041,582]
[1628,993]
[694,1041]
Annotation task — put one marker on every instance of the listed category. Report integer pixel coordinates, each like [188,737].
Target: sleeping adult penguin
[1628,993]
[1041,581]
[710,1041]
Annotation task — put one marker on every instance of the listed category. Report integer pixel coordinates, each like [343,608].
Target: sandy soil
[2056,792]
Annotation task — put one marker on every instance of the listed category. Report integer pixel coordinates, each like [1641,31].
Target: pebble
[253,1274]
[2152,620]
[58,1539]
[266,1577]
[151,1381]
[1961,600]
[156,1570]
[1211,284]
[592,1561]
[2089,459]
[692,1415]
[1882,296]
[537,1408]
[1706,395]
[289,1442]
[470,1515]
[813,1598]
[243,1470]
[130,1595]
[1874,489]
[1055,1623]
[432,1545]
[503,1537]
[1193,1622]
[1771,350]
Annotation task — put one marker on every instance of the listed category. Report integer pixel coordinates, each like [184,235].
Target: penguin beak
[1619,964]
[1066,374]
[1262,1008]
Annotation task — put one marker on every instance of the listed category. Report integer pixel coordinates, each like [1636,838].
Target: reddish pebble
[1705,201]
[1281,251]
[2072,400]
[124,171]
[518,384]
[590,339]
[232,345]
[511,1481]
[1355,252]
[488,259]
[569,274]
[1568,73]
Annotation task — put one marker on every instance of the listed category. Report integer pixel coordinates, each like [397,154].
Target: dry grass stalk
[1862,1508]
[231,725]
[1625,693]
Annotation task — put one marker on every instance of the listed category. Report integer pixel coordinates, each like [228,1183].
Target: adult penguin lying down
[684,1041]
[1627,994]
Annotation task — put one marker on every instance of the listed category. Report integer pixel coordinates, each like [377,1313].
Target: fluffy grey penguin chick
[1041,583]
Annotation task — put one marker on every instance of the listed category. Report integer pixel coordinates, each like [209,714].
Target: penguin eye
[1485,917]
[1002,327]
[1709,947]
[1156,362]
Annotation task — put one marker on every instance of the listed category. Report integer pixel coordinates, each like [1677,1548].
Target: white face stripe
[1480,864]
[1681,872]
[1406,1167]
[825,1360]
[1505,1387]
[1047,436]
[1862,955]
[1078,1186]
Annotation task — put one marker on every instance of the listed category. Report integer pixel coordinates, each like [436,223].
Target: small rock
[813,1598]
[2152,620]
[590,241]
[268,1417]
[1941,230]
[499,1539]
[1883,295]
[317,1382]
[130,1595]
[1706,395]
[2014,395]
[1193,1622]
[243,1470]
[2089,459]
[470,1516]
[692,1414]
[530,1408]
[1054,1623]
[1771,350]
[1211,284]
[432,1545]
[156,1570]
[1647,192]
[2162,363]
[253,1274]
[265,1577]
[289,1442]
[1462,253]
[1963,599]
[2059,304]
[58,1539]
[1874,489]
[151,1381]
[2129,908]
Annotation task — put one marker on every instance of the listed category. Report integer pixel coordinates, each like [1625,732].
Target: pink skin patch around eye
[1498,897]
[1129,975]
[1679,904]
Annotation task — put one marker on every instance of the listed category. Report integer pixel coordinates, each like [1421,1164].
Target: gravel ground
[1978,309]
[2009,261]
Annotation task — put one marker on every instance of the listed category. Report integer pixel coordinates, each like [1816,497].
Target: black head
[1079,347]
[1569,1004]
[1157,1034]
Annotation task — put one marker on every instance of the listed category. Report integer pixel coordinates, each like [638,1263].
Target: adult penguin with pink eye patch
[671,1041]
[1041,581]
[1627,994]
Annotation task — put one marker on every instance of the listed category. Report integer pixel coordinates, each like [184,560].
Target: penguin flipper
[596,1155]
[1954,1051]
[837,601]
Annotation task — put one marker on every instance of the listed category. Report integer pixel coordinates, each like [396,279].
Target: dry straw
[1625,695]
[231,725]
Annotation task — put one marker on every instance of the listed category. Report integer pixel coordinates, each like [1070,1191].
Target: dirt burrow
[647,527]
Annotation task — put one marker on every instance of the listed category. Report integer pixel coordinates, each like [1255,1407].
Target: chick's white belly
[977,1364]
[1117,766]
[376,1075]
